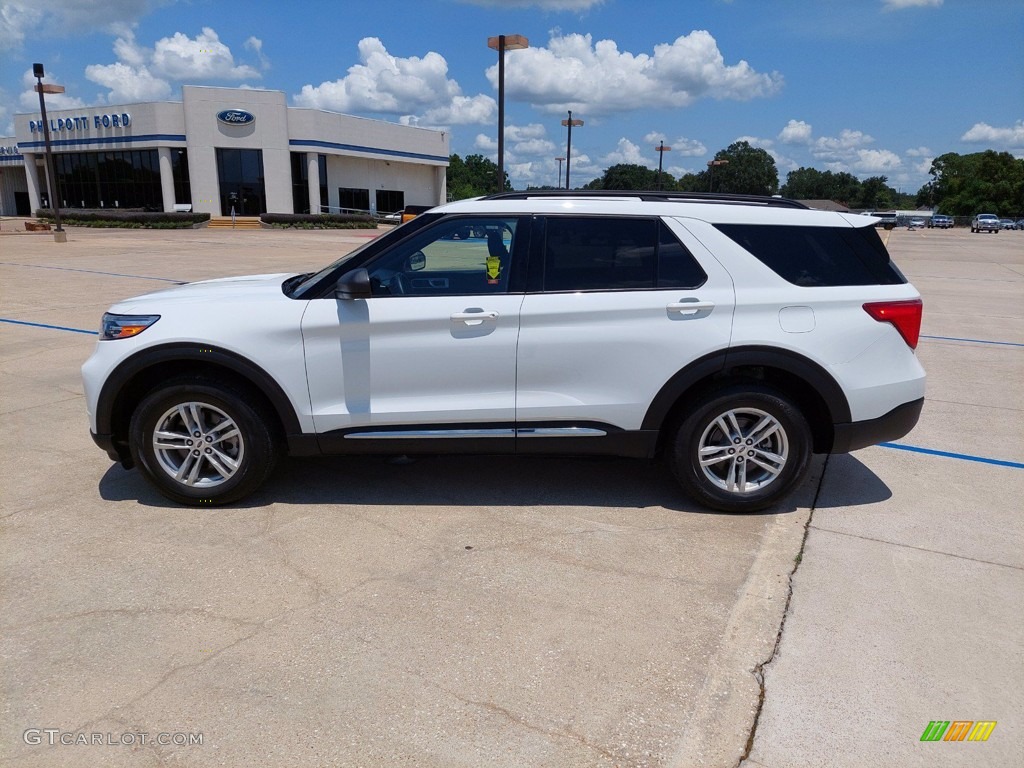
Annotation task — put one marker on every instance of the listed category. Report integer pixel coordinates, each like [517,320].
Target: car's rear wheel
[201,443]
[741,449]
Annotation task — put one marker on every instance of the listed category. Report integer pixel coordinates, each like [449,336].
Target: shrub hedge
[318,221]
[125,219]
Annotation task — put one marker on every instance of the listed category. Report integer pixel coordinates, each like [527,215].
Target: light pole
[568,145]
[59,235]
[560,160]
[711,170]
[661,150]
[503,43]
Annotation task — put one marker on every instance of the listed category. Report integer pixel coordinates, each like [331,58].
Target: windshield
[312,284]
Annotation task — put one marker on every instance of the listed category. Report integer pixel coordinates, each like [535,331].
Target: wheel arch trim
[720,362]
[132,367]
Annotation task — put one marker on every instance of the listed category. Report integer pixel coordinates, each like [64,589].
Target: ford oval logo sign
[236,117]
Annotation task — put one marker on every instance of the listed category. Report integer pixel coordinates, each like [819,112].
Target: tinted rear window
[818,256]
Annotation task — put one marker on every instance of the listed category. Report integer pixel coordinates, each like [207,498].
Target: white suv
[731,336]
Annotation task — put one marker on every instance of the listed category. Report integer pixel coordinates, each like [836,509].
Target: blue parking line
[44,325]
[93,272]
[974,341]
[948,455]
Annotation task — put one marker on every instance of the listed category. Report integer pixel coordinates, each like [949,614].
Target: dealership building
[218,151]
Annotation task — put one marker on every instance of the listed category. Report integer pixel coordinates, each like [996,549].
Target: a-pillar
[167,178]
[313,178]
[32,176]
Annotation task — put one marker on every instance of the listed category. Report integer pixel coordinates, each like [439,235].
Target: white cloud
[983,133]
[919,152]
[463,110]
[876,161]
[485,143]
[128,83]
[574,72]
[524,132]
[394,85]
[840,146]
[29,99]
[143,74]
[627,152]
[19,18]
[897,5]
[796,132]
[688,147]
[681,146]
[255,45]
[539,147]
[204,57]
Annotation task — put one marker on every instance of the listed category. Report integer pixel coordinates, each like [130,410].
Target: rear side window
[818,256]
[606,254]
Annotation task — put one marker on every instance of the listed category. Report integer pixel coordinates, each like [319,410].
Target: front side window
[607,254]
[455,257]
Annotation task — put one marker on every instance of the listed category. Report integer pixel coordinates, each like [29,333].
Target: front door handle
[690,307]
[474,318]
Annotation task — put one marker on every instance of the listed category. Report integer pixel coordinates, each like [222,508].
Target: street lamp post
[59,235]
[503,43]
[711,170]
[568,145]
[661,150]
[560,160]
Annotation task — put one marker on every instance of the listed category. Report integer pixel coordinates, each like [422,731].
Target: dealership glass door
[240,172]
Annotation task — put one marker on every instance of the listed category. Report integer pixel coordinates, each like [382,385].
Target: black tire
[212,477]
[750,405]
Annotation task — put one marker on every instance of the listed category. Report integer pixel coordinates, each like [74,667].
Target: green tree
[473,177]
[875,193]
[812,184]
[982,182]
[750,171]
[633,177]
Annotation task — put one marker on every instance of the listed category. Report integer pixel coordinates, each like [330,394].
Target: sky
[869,87]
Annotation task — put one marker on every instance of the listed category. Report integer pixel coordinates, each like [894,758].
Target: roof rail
[649,196]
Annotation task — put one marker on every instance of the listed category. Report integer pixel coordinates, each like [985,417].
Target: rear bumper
[890,426]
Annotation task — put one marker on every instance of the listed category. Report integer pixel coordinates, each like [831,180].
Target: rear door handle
[690,307]
[474,318]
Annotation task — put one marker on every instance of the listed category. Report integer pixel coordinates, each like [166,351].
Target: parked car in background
[1007,223]
[916,223]
[939,221]
[886,219]
[1020,223]
[985,222]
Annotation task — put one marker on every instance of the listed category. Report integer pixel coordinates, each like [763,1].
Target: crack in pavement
[759,669]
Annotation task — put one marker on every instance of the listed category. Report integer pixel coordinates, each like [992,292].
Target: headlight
[125,326]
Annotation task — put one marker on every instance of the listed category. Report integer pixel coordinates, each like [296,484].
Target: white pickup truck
[985,222]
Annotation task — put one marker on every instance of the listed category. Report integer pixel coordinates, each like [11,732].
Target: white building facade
[218,150]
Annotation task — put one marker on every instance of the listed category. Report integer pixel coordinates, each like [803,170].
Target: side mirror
[416,262]
[353,285]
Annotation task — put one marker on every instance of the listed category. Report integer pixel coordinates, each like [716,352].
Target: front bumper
[116,451]
[890,426]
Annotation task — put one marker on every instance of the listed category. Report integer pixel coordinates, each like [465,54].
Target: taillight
[905,317]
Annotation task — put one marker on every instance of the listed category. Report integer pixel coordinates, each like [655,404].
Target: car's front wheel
[200,442]
[741,449]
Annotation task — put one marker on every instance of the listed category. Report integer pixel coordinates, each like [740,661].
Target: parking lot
[505,611]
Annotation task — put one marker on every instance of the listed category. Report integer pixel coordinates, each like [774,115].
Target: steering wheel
[397,284]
